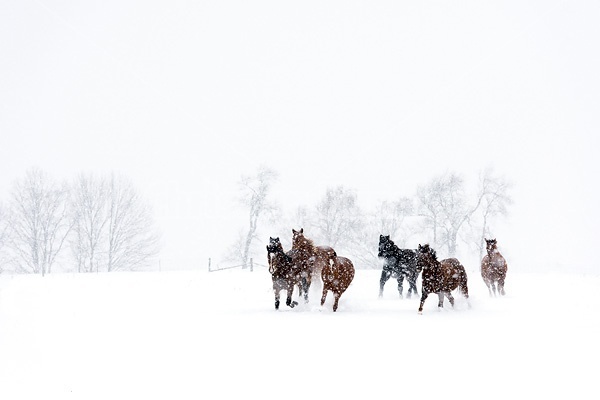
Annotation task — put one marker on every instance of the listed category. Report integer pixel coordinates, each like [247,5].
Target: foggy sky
[185,97]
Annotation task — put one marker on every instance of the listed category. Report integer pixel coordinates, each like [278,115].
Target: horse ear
[301,230]
[293,231]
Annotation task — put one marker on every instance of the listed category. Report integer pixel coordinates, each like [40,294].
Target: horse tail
[462,281]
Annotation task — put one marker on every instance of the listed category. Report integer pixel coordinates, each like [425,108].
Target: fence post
[251,265]
[209,264]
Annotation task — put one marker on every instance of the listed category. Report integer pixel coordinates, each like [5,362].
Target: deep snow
[197,334]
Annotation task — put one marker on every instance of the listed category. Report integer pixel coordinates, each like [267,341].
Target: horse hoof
[294,304]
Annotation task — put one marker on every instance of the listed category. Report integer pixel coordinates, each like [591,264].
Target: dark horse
[493,268]
[440,277]
[283,272]
[337,277]
[310,259]
[399,264]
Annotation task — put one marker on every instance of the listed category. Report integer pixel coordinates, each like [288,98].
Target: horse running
[283,272]
[337,277]
[399,264]
[493,268]
[440,277]
[310,259]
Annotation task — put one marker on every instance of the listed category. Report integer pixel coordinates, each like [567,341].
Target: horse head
[386,247]
[491,245]
[426,256]
[297,237]
[301,242]
[274,245]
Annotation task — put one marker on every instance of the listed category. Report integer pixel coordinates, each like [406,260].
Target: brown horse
[440,277]
[310,259]
[493,268]
[337,277]
[283,272]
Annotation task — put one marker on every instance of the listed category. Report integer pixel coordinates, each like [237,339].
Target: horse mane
[301,242]
[426,249]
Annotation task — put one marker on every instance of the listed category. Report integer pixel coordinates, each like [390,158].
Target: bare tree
[445,206]
[390,217]
[132,240]
[495,201]
[430,206]
[255,190]
[338,217]
[39,223]
[4,226]
[90,218]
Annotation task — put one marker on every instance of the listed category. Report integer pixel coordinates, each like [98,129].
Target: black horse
[284,273]
[398,263]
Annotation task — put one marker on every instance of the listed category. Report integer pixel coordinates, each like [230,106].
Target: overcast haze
[185,97]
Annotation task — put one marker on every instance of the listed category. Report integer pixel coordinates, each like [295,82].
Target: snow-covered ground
[179,335]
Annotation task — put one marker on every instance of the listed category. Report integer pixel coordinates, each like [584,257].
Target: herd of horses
[306,262]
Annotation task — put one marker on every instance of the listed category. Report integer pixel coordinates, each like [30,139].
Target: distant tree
[390,217]
[254,195]
[338,217]
[4,225]
[39,223]
[132,239]
[445,206]
[90,221]
[495,201]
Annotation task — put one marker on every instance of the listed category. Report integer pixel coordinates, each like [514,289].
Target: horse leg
[288,300]
[424,295]
[305,287]
[489,286]
[501,286]
[385,275]
[400,288]
[324,295]
[450,298]
[412,286]
[336,296]
[277,299]
[440,300]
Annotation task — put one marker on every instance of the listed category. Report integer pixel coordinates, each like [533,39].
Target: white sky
[184,97]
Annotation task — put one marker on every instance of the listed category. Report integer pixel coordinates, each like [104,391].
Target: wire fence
[251,265]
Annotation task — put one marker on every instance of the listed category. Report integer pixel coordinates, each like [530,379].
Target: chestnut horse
[310,259]
[283,272]
[493,268]
[337,277]
[440,277]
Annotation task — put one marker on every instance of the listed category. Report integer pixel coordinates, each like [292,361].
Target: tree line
[445,211]
[91,224]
